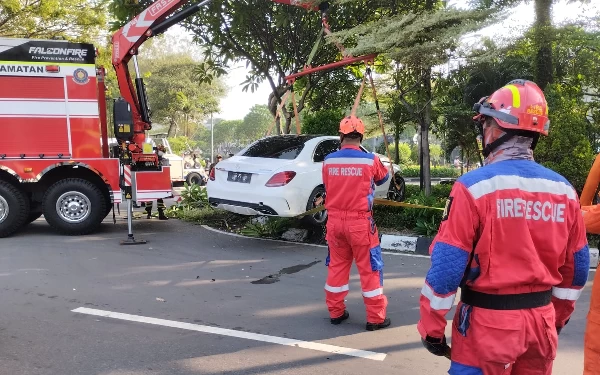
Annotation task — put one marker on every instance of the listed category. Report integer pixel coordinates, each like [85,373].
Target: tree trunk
[543,31]
[172,128]
[288,124]
[426,123]
[397,141]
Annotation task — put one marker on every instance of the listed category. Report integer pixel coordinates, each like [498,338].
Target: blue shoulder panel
[521,168]
[350,153]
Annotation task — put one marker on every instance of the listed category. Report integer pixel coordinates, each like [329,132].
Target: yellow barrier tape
[378,201]
[385,202]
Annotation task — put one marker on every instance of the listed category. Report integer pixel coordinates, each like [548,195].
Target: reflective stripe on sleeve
[438,303]
[337,289]
[566,293]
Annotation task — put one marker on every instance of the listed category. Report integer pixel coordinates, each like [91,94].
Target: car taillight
[280,179]
[212,174]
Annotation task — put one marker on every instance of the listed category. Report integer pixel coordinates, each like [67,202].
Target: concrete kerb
[402,245]
[420,246]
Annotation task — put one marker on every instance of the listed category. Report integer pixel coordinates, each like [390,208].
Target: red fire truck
[54,152]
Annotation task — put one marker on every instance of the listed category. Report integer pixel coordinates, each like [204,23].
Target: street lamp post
[212,139]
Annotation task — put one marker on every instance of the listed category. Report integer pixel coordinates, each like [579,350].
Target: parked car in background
[281,176]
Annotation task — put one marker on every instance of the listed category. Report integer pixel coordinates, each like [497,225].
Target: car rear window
[277,147]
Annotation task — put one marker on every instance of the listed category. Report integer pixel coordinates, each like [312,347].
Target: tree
[224,132]
[74,20]
[275,40]
[417,40]
[323,122]
[176,98]
[543,35]
[567,149]
[255,124]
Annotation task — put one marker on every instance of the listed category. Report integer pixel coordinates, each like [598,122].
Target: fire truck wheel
[194,178]
[74,206]
[14,209]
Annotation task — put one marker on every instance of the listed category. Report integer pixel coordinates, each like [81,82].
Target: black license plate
[239,177]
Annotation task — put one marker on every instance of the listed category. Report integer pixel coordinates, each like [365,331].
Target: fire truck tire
[74,206]
[194,178]
[14,209]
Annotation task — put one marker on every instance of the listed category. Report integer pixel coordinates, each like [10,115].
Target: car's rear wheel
[397,190]
[316,199]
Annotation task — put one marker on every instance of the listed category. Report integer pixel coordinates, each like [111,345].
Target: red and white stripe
[127,174]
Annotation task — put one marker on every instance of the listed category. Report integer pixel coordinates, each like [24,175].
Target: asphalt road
[205,281]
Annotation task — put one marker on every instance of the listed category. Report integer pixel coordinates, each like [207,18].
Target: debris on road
[160,299]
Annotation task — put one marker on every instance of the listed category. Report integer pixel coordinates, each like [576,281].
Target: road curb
[420,246]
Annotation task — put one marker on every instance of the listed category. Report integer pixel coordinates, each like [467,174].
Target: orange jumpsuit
[350,176]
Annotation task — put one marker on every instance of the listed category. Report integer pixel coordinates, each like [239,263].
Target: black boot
[162,216]
[149,212]
[340,319]
[376,326]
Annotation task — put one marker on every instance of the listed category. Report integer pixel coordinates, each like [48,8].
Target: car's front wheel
[316,199]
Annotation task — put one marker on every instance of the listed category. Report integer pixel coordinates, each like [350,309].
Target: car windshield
[279,147]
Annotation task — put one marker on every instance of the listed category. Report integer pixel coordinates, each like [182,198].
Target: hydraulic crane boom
[150,22]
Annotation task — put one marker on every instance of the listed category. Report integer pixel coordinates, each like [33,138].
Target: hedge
[412,218]
[415,171]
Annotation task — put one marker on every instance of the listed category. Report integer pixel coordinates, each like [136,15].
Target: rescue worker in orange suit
[513,238]
[350,176]
[591,353]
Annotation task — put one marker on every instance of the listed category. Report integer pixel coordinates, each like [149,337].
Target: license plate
[239,177]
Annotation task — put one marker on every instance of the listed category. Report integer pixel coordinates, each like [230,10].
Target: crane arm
[150,22]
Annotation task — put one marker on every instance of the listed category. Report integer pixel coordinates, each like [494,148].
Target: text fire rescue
[21,69]
[350,171]
[521,208]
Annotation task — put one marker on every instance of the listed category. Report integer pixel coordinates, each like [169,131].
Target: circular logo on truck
[80,76]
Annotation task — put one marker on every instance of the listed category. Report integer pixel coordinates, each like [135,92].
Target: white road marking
[233,333]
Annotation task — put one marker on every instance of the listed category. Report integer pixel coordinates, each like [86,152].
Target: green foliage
[181,144]
[255,125]
[568,136]
[408,218]
[436,153]
[438,172]
[226,130]
[273,227]
[324,122]
[427,227]
[404,152]
[193,197]
[73,20]
[176,98]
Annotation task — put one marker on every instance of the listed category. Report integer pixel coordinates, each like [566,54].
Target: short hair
[353,135]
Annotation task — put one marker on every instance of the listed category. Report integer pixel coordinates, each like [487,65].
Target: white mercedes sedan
[281,176]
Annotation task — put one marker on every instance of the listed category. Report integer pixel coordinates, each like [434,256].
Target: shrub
[273,227]
[325,122]
[414,171]
[403,150]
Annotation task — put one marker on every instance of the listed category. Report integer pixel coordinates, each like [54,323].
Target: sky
[237,103]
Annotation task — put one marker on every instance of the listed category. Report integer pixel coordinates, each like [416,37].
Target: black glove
[436,346]
[560,329]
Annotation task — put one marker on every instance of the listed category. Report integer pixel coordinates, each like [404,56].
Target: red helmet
[351,124]
[519,105]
